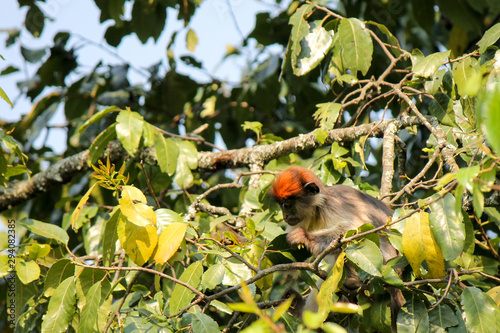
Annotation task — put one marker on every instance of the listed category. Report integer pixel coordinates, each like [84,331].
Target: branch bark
[63,171]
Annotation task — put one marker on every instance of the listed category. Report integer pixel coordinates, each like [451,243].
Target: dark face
[298,207]
[289,209]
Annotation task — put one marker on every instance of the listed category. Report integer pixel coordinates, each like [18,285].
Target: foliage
[171,242]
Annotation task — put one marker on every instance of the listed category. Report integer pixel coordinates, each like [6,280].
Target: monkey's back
[355,206]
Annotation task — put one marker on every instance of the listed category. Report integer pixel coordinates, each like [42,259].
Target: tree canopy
[157,216]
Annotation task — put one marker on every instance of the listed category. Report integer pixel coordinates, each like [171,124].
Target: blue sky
[212,23]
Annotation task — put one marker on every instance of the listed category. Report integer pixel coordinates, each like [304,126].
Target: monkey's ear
[311,188]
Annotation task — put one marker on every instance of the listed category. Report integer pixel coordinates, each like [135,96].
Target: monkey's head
[295,190]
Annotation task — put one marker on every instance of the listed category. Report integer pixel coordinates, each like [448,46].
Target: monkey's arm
[316,241]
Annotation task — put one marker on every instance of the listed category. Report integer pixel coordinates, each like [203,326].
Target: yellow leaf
[130,193]
[494,293]
[139,242]
[326,297]
[419,246]
[79,207]
[133,206]
[170,240]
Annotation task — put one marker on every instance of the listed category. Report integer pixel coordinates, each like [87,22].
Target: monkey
[317,214]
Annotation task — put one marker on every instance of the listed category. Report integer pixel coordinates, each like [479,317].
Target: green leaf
[38,250]
[58,272]
[430,64]
[413,316]
[148,19]
[466,176]
[327,114]
[4,96]
[447,227]
[441,106]
[320,134]
[254,126]
[489,109]
[443,316]
[357,45]
[314,47]
[212,277]
[480,311]
[167,152]
[367,256]
[27,271]
[88,318]
[45,230]
[149,134]
[489,38]
[187,161]
[35,20]
[87,278]
[326,296]
[203,323]
[97,117]
[109,239]
[477,199]
[129,130]
[182,296]
[96,150]
[5,265]
[191,40]
[300,29]
[467,76]
[61,307]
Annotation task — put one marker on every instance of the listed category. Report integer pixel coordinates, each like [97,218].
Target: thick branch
[63,171]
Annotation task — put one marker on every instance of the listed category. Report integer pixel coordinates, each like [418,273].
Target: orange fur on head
[291,182]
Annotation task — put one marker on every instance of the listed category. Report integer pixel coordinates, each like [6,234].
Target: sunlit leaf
[27,271]
[61,307]
[132,205]
[45,230]
[191,40]
[138,241]
[78,209]
[129,129]
[170,240]
[419,246]
[489,38]
[430,64]
[166,153]
[313,48]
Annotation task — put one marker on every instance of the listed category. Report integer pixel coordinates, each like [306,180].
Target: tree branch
[63,171]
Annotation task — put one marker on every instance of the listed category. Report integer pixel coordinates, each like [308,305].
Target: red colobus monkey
[317,214]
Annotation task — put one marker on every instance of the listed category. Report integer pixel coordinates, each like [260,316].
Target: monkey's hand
[300,236]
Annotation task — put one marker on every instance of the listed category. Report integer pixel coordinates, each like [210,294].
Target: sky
[212,22]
